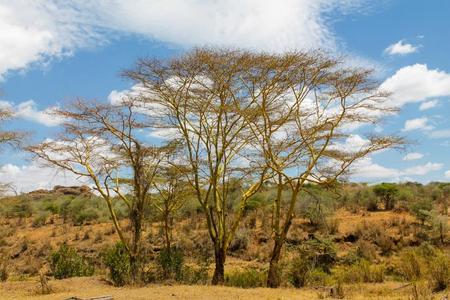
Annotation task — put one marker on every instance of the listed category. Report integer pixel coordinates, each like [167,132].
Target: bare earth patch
[95,286]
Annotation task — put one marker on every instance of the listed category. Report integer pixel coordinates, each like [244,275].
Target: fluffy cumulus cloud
[400,48]
[416,83]
[36,176]
[428,104]
[447,174]
[413,156]
[417,124]
[29,111]
[39,30]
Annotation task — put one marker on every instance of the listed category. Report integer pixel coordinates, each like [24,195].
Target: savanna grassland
[344,244]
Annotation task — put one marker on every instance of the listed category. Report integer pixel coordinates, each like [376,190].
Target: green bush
[65,263]
[439,271]
[40,219]
[411,265]
[421,208]
[249,278]
[117,260]
[362,271]
[171,263]
[314,257]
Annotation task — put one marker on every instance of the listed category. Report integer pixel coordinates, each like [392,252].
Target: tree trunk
[273,277]
[219,270]
[135,256]
[167,233]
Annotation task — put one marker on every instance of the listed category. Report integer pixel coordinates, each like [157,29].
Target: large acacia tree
[308,104]
[203,99]
[252,117]
[104,144]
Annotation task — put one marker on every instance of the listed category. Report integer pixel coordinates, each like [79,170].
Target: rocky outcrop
[83,190]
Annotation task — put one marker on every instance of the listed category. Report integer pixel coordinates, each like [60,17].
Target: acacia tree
[172,192]
[103,143]
[306,107]
[10,138]
[203,99]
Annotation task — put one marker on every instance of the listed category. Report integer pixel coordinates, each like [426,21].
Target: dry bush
[362,271]
[421,291]
[439,271]
[411,265]
[366,250]
[44,287]
[240,241]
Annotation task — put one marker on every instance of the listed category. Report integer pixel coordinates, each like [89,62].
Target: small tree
[103,143]
[10,138]
[173,191]
[387,192]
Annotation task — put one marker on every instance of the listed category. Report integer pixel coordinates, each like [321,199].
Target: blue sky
[54,51]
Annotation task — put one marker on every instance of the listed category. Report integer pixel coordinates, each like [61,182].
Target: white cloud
[439,134]
[417,124]
[28,111]
[422,169]
[413,156]
[36,31]
[400,48]
[428,104]
[367,168]
[416,83]
[34,176]
[447,174]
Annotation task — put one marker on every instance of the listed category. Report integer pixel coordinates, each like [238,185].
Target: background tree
[387,192]
[8,138]
[103,143]
[306,106]
[172,193]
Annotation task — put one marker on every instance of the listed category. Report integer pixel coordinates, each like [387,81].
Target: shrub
[300,271]
[240,241]
[171,263]
[195,275]
[313,257]
[40,219]
[421,208]
[366,250]
[362,271]
[65,263]
[249,278]
[439,271]
[117,260]
[411,265]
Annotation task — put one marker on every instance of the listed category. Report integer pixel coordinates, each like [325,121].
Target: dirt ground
[95,286]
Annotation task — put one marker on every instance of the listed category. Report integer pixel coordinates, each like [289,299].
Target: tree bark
[273,277]
[219,270]
[135,255]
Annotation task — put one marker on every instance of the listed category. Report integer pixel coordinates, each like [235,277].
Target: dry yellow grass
[94,286]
